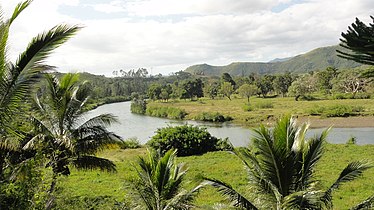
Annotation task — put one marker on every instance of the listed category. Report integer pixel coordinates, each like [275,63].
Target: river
[144,127]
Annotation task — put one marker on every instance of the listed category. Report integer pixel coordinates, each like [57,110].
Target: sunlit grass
[261,114]
[220,165]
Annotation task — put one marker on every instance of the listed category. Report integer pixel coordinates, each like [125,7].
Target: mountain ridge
[316,59]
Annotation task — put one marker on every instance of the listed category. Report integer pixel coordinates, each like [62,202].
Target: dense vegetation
[187,140]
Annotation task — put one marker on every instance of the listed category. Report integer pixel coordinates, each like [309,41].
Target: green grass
[219,165]
[263,110]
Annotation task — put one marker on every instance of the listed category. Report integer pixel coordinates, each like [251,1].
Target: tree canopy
[360,40]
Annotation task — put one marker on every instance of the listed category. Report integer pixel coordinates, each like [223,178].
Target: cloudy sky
[169,35]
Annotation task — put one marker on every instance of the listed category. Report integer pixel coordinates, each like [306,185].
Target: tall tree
[360,40]
[160,181]
[17,78]
[226,77]
[65,137]
[265,84]
[281,170]
[302,86]
[247,90]
[282,82]
[227,89]
[325,79]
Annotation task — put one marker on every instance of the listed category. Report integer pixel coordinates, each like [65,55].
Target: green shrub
[337,111]
[187,139]
[213,117]
[138,106]
[166,112]
[264,105]
[248,107]
[131,143]
[352,140]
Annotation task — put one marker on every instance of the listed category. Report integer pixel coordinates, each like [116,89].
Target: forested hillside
[317,59]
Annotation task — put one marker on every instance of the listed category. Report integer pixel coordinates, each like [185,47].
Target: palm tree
[65,137]
[159,182]
[281,165]
[16,78]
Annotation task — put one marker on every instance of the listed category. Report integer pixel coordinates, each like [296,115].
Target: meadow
[100,190]
[267,110]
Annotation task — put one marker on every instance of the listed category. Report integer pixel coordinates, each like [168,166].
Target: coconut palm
[281,165]
[159,182]
[65,137]
[16,78]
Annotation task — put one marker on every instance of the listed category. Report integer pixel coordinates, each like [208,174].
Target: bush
[352,140]
[337,111]
[213,117]
[166,112]
[131,143]
[138,106]
[187,139]
[264,105]
[248,107]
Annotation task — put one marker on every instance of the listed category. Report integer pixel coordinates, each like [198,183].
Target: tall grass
[166,112]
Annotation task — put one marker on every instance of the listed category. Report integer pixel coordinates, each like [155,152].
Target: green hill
[316,59]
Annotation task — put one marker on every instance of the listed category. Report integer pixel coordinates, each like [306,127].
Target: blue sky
[166,36]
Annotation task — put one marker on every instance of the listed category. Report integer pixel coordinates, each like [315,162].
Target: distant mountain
[280,60]
[317,59]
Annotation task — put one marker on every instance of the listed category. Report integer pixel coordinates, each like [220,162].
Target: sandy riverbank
[339,122]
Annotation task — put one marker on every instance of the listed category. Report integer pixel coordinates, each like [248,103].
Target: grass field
[99,190]
[264,110]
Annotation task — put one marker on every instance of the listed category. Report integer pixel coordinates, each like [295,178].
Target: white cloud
[205,31]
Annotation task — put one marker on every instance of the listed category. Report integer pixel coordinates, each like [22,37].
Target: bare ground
[339,122]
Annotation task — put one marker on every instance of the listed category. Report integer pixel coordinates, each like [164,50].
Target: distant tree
[164,95]
[302,86]
[226,77]
[247,90]
[211,89]
[360,40]
[154,91]
[265,84]
[227,89]
[282,82]
[350,81]
[191,89]
[325,78]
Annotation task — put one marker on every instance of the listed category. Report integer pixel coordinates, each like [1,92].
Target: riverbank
[356,112]
[339,122]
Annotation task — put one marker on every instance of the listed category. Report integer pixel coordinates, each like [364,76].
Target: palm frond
[352,171]
[311,155]
[366,204]
[184,200]
[92,162]
[303,200]
[19,8]
[225,189]
[103,120]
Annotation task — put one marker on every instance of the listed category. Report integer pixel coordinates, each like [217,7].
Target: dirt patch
[339,122]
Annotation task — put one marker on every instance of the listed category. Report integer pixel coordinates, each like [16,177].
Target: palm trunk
[51,200]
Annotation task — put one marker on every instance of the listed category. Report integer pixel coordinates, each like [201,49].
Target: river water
[144,127]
